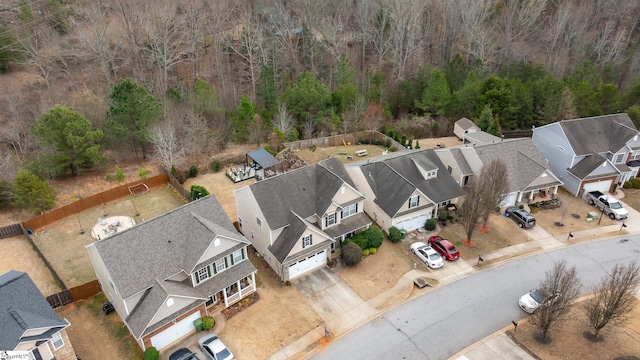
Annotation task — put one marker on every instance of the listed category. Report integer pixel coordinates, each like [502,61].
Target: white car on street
[427,254]
[531,301]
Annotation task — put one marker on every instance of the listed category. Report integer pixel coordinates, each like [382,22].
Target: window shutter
[310,239]
[418,201]
[303,244]
[215,268]
[225,263]
[232,261]
[242,252]
[209,270]
[356,207]
[197,278]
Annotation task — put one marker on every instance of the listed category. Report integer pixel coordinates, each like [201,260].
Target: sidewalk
[495,346]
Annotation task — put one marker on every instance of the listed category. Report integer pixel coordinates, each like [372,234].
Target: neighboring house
[166,272]
[294,220]
[590,154]
[529,176]
[27,321]
[463,127]
[404,189]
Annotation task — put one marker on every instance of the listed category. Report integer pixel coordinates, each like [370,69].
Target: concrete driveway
[340,307]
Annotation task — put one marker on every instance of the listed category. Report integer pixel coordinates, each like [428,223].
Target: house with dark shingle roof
[528,173]
[592,153]
[295,220]
[27,321]
[404,189]
[164,273]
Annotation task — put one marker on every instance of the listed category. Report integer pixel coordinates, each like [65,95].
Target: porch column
[224,295]
[531,196]
[555,190]
[519,197]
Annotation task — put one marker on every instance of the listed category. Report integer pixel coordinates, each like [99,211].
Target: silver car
[214,349]
[531,301]
[427,254]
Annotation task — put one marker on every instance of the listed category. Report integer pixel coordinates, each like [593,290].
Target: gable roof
[586,166]
[466,124]
[461,160]
[305,191]
[481,137]
[393,178]
[523,161]
[23,307]
[599,134]
[164,246]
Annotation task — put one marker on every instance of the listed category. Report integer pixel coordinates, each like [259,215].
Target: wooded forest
[88,82]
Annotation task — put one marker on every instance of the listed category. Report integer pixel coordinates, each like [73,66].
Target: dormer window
[619,158]
[330,219]
[203,274]
[307,241]
[432,174]
[349,210]
[414,201]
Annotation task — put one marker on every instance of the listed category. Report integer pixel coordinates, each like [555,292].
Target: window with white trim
[258,221]
[619,158]
[414,201]
[307,241]
[212,300]
[57,341]
[203,274]
[635,155]
[237,256]
[221,265]
[349,210]
[330,219]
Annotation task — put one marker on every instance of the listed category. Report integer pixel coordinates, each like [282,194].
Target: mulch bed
[236,308]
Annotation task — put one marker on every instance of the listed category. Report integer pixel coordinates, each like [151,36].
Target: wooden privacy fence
[83,204]
[10,231]
[338,140]
[186,195]
[74,294]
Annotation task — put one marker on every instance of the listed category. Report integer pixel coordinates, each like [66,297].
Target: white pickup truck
[607,204]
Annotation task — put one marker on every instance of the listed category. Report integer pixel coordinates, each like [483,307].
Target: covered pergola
[264,164]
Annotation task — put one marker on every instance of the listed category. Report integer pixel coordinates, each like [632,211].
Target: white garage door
[509,200]
[602,186]
[311,263]
[181,328]
[413,223]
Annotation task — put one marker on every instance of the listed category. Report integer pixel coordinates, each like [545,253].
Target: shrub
[351,254]
[443,215]
[521,206]
[387,143]
[395,235]
[393,149]
[430,225]
[313,148]
[375,236]
[215,165]
[535,210]
[151,354]
[417,144]
[373,251]
[360,240]
[636,183]
[365,252]
[193,171]
[627,185]
[119,176]
[208,322]
[143,173]
[198,192]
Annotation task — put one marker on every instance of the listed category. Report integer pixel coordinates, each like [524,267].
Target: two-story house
[164,273]
[404,189]
[592,153]
[294,220]
[28,323]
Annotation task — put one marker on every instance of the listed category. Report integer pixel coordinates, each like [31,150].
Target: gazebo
[264,164]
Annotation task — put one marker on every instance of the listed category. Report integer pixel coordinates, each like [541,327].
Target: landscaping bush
[395,235]
[215,165]
[365,252]
[443,215]
[627,185]
[521,206]
[313,148]
[393,149]
[208,323]
[373,251]
[193,171]
[535,210]
[143,173]
[198,192]
[351,254]
[636,183]
[375,236]
[430,225]
[151,354]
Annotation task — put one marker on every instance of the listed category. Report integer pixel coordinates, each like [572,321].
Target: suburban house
[404,189]
[463,127]
[592,153]
[27,321]
[166,272]
[470,133]
[296,219]
[530,178]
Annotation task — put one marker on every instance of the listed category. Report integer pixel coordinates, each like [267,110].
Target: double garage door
[311,263]
[180,329]
[413,223]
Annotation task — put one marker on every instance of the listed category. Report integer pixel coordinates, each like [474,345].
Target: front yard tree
[74,144]
[33,193]
[494,185]
[613,297]
[131,112]
[471,208]
[563,285]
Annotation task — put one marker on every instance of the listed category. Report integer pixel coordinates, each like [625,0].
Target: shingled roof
[599,134]
[23,307]
[586,166]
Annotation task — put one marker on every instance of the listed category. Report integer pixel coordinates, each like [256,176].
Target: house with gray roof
[164,273]
[588,154]
[404,189]
[27,321]
[530,178]
[296,219]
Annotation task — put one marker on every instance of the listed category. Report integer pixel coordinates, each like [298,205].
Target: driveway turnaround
[339,306]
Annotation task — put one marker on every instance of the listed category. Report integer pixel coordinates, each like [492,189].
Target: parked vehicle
[183,354]
[531,301]
[444,247]
[427,254]
[607,204]
[214,348]
[522,217]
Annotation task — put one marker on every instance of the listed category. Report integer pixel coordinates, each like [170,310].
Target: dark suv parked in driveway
[521,217]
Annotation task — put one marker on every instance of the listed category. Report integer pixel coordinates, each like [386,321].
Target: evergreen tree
[435,95]
[244,115]
[32,193]
[267,90]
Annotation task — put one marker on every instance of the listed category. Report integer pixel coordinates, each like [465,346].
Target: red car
[444,247]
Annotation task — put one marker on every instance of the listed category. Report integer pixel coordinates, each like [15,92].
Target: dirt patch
[570,342]
[16,253]
[222,187]
[631,198]
[435,143]
[343,153]
[238,307]
[63,244]
[281,317]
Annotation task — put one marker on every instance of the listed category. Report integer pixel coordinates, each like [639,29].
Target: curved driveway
[443,321]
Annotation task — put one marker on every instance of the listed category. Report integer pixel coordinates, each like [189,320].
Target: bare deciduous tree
[613,297]
[471,208]
[165,140]
[406,32]
[98,20]
[562,285]
[478,36]
[495,186]
[283,121]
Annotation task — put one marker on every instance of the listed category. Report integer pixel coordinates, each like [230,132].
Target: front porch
[537,195]
[231,294]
